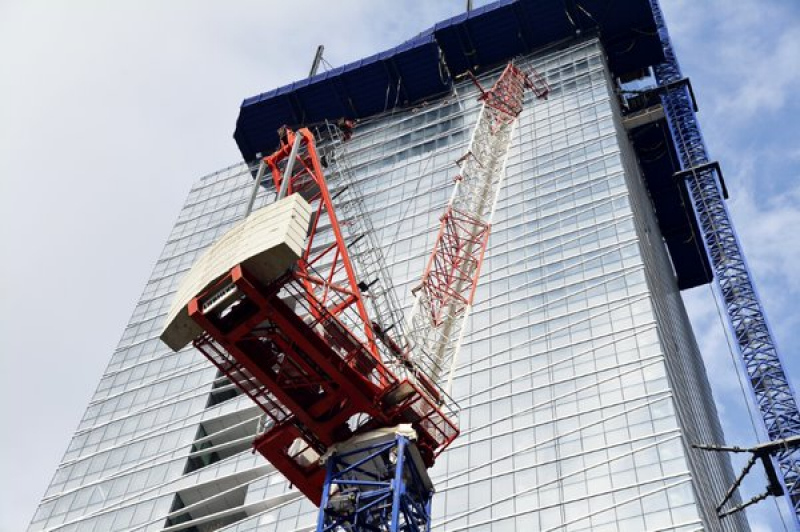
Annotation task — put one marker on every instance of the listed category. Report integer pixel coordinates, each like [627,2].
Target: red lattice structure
[446,291]
[303,348]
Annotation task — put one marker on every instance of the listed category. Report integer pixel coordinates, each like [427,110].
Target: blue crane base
[376,482]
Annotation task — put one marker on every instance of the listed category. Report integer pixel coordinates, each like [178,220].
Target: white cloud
[767,71]
[750,47]
[773,242]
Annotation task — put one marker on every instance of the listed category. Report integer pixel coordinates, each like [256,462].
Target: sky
[109,111]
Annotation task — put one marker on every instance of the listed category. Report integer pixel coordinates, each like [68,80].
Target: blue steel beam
[770,387]
[372,487]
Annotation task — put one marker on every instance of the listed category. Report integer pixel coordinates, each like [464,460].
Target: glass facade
[580,382]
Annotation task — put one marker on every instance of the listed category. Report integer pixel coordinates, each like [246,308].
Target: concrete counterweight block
[266,244]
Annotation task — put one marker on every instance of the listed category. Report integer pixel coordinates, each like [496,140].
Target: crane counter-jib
[297,338]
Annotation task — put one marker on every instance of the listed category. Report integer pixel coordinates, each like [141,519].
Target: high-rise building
[580,381]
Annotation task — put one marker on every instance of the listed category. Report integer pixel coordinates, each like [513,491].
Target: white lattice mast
[445,293]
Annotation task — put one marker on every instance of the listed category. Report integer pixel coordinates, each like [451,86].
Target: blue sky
[109,111]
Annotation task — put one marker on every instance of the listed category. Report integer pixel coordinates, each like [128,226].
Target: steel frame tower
[378,483]
[761,362]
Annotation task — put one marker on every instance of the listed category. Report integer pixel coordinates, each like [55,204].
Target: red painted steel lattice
[447,288]
[303,347]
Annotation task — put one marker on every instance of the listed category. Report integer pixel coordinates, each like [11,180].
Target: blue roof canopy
[414,70]
[481,39]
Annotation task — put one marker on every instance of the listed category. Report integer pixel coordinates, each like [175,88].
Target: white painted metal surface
[266,243]
[437,327]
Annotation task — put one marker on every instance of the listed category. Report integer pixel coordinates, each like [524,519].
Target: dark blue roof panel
[414,70]
[677,222]
[420,68]
[356,90]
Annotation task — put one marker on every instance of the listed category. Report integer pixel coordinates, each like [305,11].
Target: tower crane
[291,307]
[761,363]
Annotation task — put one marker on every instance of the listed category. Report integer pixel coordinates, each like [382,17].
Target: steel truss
[364,249]
[445,294]
[764,452]
[303,347]
[378,484]
[770,387]
[306,351]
